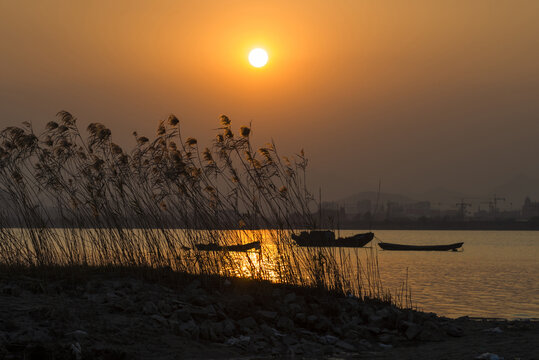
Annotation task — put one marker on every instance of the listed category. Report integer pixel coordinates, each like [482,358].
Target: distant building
[418,209]
[333,214]
[530,209]
[394,210]
[364,206]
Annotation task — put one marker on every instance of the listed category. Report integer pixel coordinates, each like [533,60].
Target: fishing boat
[317,238]
[255,245]
[402,247]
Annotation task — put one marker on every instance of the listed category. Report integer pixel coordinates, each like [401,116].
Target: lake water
[497,274]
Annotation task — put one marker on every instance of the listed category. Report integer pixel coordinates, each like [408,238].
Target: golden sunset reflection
[277,260]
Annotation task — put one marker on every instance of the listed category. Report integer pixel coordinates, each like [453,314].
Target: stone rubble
[98,319]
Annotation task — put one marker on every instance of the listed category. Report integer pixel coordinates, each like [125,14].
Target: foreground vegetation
[75,200]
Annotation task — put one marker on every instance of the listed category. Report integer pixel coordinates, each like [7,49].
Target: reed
[81,200]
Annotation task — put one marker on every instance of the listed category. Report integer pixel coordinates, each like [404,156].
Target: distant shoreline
[471,226]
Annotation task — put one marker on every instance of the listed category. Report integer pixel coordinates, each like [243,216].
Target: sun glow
[258,57]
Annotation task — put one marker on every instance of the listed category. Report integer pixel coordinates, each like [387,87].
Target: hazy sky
[419,94]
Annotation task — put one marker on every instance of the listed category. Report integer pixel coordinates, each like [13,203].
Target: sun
[258,57]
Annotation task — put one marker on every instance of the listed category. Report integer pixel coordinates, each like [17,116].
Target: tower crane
[495,200]
[462,206]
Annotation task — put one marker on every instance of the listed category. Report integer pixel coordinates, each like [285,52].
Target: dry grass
[74,200]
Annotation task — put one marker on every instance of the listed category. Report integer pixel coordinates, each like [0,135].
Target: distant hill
[373,196]
[444,198]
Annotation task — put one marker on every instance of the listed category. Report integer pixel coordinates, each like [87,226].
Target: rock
[199,298]
[123,305]
[247,322]
[352,304]
[182,315]
[228,327]
[495,330]
[241,340]
[257,345]
[245,300]
[267,315]
[384,313]
[365,344]
[78,334]
[296,349]
[218,330]
[207,331]
[76,350]
[37,351]
[103,352]
[289,340]
[454,330]
[357,320]
[488,356]
[159,319]
[345,346]
[366,312]
[328,350]
[32,335]
[149,308]
[285,323]
[322,324]
[301,317]
[291,297]
[195,284]
[210,311]
[266,331]
[375,320]
[337,330]
[311,349]
[12,290]
[164,307]
[431,332]
[369,329]
[202,313]
[328,339]
[190,329]
[294,308]
[386,338]
[412,330]
[111,298]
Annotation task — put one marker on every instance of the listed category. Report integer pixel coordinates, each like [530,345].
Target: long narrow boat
[255,245]
[317,238]
[401,247]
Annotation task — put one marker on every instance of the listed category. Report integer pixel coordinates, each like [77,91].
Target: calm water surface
[497,274]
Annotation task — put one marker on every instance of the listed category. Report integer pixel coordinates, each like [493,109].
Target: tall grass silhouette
[74,199]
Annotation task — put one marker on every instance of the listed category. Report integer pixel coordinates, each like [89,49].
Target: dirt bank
[134,315]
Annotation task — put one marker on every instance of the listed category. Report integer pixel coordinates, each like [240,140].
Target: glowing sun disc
[258,57]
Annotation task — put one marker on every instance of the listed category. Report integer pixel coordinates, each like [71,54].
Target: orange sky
[416,93]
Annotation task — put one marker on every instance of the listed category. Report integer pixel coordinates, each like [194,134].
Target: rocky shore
[161,315]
